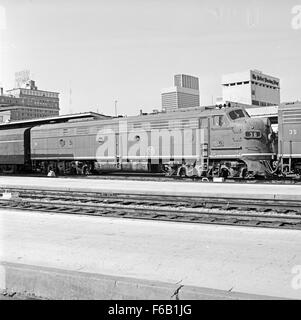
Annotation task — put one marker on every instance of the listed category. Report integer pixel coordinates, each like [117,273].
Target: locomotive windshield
[236,114]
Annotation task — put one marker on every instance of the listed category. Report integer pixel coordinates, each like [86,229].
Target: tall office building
[27,102]
[251,87]
[185,81]
[184,94]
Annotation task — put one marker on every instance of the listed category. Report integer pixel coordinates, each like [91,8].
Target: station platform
[197,189]
[61,256]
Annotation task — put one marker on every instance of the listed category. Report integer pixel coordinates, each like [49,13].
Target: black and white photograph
[150,153]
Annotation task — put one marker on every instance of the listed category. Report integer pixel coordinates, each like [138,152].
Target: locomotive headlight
[253,134]
[101,140]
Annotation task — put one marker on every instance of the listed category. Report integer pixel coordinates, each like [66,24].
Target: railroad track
[242,212]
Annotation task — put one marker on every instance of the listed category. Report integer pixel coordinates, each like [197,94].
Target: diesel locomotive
[194,142]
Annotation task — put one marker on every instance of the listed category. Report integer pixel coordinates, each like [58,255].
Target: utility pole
[116,108]
[70,97]
[2,29]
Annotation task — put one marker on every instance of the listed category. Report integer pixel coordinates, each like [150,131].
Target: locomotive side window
[219,121]
[236,114]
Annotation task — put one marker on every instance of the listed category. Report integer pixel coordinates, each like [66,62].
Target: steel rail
[167,209]
[278,205]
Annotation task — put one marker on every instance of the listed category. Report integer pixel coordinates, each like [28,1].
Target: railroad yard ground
[248,260]
[60,256]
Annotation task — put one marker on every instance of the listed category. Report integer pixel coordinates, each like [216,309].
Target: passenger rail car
[15,150]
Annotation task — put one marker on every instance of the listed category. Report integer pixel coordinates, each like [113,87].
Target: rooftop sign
[265,79]
[21,78]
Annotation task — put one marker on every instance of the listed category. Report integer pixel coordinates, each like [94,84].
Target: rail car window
[236,114]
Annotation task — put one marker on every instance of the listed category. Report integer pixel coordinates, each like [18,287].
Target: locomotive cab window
[236,114]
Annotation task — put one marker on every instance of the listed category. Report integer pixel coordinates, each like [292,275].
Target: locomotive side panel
[161,141]
[47,143]
[105,141]
[225,139]
[71,145]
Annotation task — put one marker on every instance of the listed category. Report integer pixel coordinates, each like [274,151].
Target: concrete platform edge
[154,193]
[57,284]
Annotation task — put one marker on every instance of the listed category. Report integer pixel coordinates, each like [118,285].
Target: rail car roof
[293,105]
[270,111]
[50,120]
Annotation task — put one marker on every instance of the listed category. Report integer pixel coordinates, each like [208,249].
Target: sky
[96,52]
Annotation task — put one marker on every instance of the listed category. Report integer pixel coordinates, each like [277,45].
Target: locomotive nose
[255,129]
[259,135]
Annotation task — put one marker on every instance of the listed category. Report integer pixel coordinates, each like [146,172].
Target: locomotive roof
[184,114]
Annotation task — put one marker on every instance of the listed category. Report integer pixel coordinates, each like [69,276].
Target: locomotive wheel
[182,172]
[244,173]
[224,173]
[285,170]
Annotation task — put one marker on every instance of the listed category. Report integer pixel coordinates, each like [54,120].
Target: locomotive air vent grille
[175,124]
[82,130]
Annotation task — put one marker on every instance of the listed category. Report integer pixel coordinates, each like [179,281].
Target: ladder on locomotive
[204,156]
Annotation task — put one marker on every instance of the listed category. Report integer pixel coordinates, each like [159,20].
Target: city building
[184,94]
[28,102]
[251,87]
